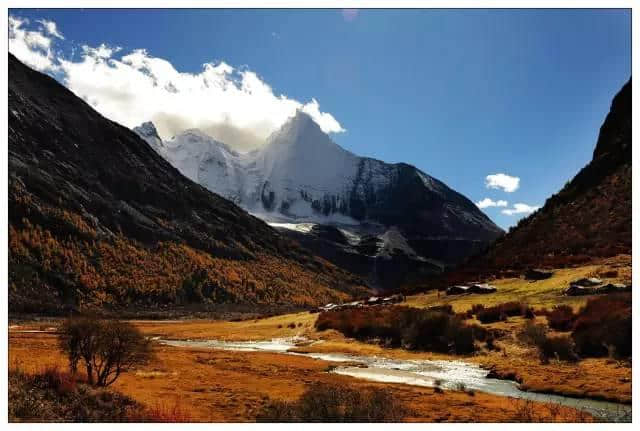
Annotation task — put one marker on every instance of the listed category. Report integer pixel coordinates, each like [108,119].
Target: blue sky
[461,94]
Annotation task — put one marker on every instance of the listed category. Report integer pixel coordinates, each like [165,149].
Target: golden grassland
[214,385]
[234,386]
[538,294]
[594,378]
[287,325]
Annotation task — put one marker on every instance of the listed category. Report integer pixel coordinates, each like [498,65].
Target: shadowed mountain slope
[98,219]
[589,218]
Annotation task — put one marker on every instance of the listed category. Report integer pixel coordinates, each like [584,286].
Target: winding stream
[429,373]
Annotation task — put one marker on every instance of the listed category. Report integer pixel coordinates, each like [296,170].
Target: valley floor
[217,385]
[223,386]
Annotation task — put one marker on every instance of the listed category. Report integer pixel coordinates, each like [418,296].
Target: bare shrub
[561,348]
[561,318]
[476,308]
[525,412]
[408,327]
[336,403]
[447,308]
[164,413]
[490,344]
[532,333]
[60,381]
[491,315]
[529,411]
[53,395]
[603,327]
[106,348]
[501,312]
[529,313]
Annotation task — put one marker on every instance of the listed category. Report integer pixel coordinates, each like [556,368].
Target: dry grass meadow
[214,385]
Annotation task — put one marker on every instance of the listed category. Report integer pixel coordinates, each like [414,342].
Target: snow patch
[298,227]
[392,240]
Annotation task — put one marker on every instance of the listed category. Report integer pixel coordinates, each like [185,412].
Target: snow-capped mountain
[302,176]
[200,158]
[297,173]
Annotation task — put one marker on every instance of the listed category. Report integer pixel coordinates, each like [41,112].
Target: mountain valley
[389,223]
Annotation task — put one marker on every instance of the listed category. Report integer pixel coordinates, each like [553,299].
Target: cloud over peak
[31,47]
[235,106]
[505,182]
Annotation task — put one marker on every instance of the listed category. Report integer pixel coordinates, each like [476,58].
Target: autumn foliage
[70,263]
[411,328]
[603,327]
[97,219]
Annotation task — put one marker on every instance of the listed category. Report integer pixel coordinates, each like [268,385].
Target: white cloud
[102,51]
[487,202]
[233,105]
[520,208]
[51,28]
[326,121]
[32,47]
[502,181]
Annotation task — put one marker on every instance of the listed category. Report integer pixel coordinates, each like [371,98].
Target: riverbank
[596,378]
[216,385]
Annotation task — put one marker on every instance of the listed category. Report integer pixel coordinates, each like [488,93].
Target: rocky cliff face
[98,218]
[615,133]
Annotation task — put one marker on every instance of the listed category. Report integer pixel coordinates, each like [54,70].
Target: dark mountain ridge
[589,218]
[98,218]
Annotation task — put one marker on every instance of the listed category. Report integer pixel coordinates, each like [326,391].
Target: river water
[429,373]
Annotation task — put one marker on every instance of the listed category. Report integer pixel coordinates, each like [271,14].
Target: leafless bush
[411,328]
[501,312]
[561,348]
[106,348]
[533,334]
[561,318]
[530,411]
[603,327]
[336,403]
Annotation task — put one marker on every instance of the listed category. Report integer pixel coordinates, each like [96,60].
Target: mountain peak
[301,116]
[148,132]
[147,129]
[300,124]
[199,139]
[194,135]
[302,132]
[616,130]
